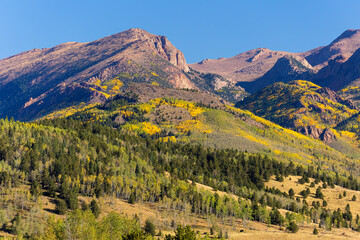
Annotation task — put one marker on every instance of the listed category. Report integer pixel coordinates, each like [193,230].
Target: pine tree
[293,227]
[61,207]
[291,192]
[318,193]
[149,227]
[94,207]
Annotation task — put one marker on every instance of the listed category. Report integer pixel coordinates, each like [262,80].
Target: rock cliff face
[161,45]
[325,135]
[333,96]
[32,82]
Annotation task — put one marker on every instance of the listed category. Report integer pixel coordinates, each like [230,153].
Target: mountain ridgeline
[122,131]
[334,66]
[39,81]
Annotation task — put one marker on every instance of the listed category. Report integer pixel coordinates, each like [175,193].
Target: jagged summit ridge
[159,44]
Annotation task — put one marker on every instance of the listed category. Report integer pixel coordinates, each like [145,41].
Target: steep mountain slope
[302,106]
[339,74]
[352,92]
[286,69]
[341,48]
[36,82]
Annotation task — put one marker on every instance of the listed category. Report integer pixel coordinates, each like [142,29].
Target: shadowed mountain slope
[341,48]
[286,69]
[338,74]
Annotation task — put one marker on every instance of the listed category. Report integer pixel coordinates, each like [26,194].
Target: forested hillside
[140,153]
[205,120]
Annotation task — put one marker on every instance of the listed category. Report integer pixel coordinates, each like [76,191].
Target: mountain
[132,143]
[286,69]
[339,74]
[301,106]
[338,71]
[39,81]
[36,82]
[341,48]
[262,64]
[246,66]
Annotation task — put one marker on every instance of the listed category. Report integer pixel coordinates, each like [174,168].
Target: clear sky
[199,28]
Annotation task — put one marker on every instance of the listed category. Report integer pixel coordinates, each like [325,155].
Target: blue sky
[200,29]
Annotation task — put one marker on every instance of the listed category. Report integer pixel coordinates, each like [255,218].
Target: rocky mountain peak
[344,46]
[165,49]
[159,44]
[37,81]
[350,33]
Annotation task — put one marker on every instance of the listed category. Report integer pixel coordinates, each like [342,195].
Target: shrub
[302,181]
[149,227]
[291,192]
[61,206]
[84,206]
[116,226]
[184,233]
[279,178]
[276,217]
[72,202]
[353,198]
[305,193]
[318,193]
[316,232]
[95,208]
[293,227]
